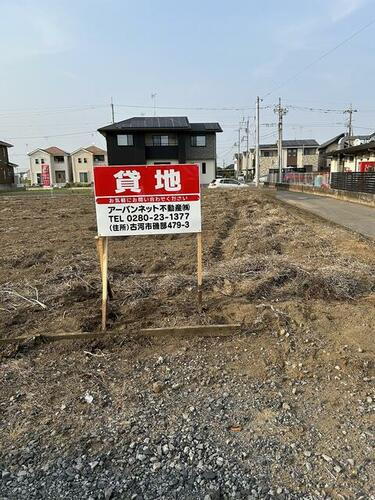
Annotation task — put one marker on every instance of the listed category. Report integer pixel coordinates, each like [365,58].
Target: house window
[83,177]
[198,140]
[160,140]
[42,160]
[85,160]
[79,160]
[39,178]
[309,151]
[267,154]
[203,167]
[98,158]
[37,161]
[125,140]
[58,159]
[292,152]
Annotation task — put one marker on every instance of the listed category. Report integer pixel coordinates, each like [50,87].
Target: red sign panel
[147,199]
[46,177]
[367,166]
[152,180]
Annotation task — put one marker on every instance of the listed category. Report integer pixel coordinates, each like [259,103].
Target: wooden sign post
[199,270]
[102,248]
[135,200]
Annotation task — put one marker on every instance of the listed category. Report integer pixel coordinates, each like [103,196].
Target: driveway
[359,218]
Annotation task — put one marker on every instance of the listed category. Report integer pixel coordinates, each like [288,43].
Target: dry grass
[253,250]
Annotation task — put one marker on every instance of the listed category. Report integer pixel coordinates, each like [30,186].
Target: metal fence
[359,182]
[315,179]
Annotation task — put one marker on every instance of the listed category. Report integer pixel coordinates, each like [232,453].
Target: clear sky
[61,61]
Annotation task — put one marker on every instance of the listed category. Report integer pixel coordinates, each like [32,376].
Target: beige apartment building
[299,154]
[83,162]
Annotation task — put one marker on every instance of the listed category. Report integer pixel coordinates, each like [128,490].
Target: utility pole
[239,149]
[257,143]
[281,112]
[350,112]
[113,110]
[247,148]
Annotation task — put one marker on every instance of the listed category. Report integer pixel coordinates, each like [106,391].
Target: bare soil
[303,290]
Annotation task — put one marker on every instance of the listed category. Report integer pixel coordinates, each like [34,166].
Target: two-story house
[6,168]
[53,161]
[360,158]
[163,140]
[83,162]
[341,147]
[300,155]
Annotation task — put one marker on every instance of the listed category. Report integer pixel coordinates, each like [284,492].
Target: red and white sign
[46,176]
[149,199]
[367,166]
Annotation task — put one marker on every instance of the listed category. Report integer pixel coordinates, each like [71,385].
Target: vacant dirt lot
[285,410]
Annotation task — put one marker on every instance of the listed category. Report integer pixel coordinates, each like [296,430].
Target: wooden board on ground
[55,337]
[178,331]
[199,330]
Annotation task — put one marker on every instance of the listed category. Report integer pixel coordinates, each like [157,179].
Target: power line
[49,136]
[325,54]
[321,110]
[198,108]
[51,111]
[225,153]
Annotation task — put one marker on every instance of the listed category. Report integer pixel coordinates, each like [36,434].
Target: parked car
[262,180]
[226,183]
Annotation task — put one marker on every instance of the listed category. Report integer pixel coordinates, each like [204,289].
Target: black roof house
[353,150]
[141,140]
[297,143]
[142,123]
[331,141]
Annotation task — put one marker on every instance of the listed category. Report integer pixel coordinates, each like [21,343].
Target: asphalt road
[359,218]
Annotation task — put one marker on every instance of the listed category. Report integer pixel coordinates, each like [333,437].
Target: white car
[262,180]
[226,183]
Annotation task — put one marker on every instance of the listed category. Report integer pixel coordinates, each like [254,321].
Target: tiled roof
[53,150]
[331,141]
[95,150]
[292,144]
[367,146]
[6,144]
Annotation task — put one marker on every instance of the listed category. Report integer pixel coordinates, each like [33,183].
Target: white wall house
[207,170]
[53,160]
[83,162]
[358,158]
